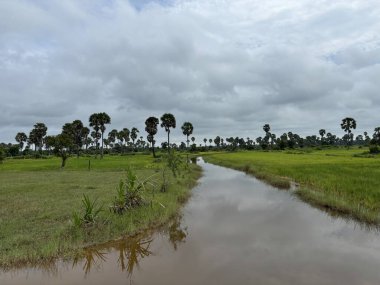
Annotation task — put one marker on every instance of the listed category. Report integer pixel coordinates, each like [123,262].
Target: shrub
[374,149]
[131,193]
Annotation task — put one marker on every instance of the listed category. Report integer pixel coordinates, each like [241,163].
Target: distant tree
[85,134]
[193,139]
[133,135]
[346,125]
[151,128]
[322,133]
[112,135]
[210,141]
[37,135]
[21,138]
[167,122]
[376,135]
[266,128]
[217,141]
[94,121]
[187,130]
[205,141]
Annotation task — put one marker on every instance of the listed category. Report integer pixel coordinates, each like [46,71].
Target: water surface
[234,230]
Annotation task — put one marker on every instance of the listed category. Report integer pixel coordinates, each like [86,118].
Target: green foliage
[130,194]
[89,214]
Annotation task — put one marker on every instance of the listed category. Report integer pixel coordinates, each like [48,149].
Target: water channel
[234,230]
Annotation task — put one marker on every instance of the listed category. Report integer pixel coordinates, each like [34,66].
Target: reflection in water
[131,250]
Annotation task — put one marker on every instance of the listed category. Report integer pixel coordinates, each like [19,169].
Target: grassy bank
[38,199]
[336,179]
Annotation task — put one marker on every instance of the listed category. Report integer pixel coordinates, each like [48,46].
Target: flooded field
[234,230]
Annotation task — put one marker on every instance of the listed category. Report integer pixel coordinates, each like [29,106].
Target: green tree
[347,125]
[187,130]
[167,122]
[76,132]
[62,143]
[21,138]
[151,128]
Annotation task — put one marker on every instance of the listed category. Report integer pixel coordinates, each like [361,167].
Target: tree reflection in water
[131,250]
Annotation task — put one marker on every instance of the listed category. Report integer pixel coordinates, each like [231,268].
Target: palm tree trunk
[101,156]
[168,141]
[154,154]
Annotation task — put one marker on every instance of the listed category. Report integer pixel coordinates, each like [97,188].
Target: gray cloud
[227,66]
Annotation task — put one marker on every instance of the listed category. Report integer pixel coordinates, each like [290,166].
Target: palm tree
[95,124]
[346,125]
[205,140]
[167,122]
[210,141]
[21,138]
[37,135]
[112,137]
[151,128]
[187,130]
[134,133]
[193,139]
[103,119]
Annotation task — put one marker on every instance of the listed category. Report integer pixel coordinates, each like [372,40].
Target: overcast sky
[227,66]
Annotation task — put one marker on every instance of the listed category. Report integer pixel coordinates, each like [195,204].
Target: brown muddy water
[234,230]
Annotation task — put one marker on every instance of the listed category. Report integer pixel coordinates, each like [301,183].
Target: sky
[228,67]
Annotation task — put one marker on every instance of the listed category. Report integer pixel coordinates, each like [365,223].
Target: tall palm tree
[151,128]
[167,122]
[95,124]
[187,130]
[346,125]
[104,119]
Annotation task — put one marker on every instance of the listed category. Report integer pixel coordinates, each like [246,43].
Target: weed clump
[90,213]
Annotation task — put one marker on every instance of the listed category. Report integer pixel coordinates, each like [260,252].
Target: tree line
[76,138]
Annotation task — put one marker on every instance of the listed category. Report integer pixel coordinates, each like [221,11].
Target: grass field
[336,179]
[38,199]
